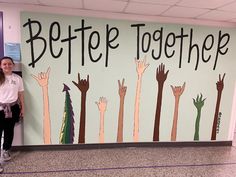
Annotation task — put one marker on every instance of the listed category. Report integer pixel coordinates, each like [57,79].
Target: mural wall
[90,80]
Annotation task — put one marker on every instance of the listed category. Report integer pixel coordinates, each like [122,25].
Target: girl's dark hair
[2,75]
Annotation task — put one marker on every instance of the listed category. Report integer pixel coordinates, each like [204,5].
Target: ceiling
[204,10]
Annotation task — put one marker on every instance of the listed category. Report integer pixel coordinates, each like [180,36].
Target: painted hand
[83,84]
[178,90]
[141,66]
[160,74]
[102,104]
[42,78]
[199,102]
[122,88]
[220,83]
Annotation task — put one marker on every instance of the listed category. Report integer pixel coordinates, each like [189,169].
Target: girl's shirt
[10,88]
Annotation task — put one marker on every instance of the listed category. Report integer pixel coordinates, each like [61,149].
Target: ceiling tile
[218,15]
[176,11]
[211,4]
[21,1]
[216,12]
[62,3]
[146,9]
[230,7]
[105,5]
[168,2]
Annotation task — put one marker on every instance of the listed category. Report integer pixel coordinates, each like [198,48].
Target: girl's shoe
[6,155]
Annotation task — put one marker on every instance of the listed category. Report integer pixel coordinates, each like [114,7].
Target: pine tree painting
[67,129]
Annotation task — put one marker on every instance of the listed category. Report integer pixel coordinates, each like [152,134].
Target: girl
[11,103]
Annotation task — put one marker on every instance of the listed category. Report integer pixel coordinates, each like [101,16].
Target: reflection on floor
[125,162]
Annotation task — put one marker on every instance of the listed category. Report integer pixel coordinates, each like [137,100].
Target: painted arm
[140,68]
[122,92]
[42,80]
[198,103]
[160,77]
[220,87]
[102,105]
[83,86]
[177,91]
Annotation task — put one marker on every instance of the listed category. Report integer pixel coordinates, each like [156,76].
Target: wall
[10,26]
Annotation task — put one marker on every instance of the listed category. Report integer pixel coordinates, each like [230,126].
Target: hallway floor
[125,162]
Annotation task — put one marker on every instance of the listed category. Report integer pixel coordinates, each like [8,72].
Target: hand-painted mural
[166,73]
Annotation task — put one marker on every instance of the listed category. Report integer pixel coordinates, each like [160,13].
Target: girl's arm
[22,105]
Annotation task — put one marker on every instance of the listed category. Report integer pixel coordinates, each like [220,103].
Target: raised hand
[161,76]
[42,78]
[83,84]
[220,83]
[199,102]
[160,73]
[122,92]
[102,104]
[141,66]
[178,90]
[219,87]
[122,88]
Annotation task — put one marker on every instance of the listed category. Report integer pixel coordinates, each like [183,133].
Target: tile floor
[125,162]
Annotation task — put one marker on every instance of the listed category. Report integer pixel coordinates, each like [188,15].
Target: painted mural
[90,80]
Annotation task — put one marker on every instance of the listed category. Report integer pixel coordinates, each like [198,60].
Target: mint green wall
[103,80]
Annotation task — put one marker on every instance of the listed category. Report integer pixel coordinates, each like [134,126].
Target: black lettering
[191,47]
[221,46]
[170,44]
[204,47]
[82,29]
[52,38]
[109,41]
[138,36]
[181,36]
[90,46]
[158,38]
[35,37]
[148,37]
[69,39]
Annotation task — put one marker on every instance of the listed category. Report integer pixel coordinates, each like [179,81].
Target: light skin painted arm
[122,92]
[42,80]
[102,105]
[140,68]
[177,91]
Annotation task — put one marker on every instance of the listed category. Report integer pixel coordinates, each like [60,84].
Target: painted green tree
[198,103]
[67,129]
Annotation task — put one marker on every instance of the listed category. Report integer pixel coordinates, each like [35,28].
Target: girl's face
[7,66]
